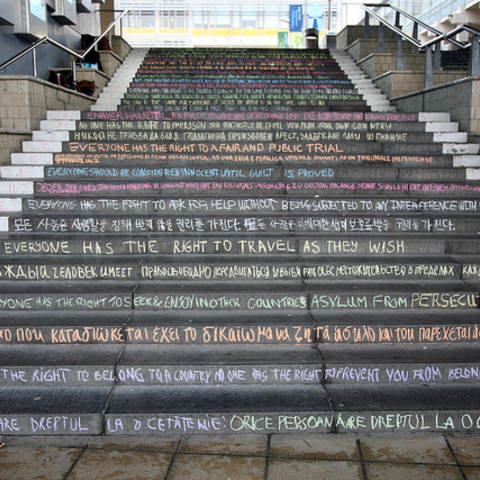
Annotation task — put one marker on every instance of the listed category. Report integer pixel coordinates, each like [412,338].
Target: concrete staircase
[243,246]
[372,95]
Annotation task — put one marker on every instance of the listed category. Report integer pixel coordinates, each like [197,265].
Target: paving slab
[200,467]
[248,445]
[471,473]
[395,471]
[286,469]
[112,464]
[466,449]
[315,447]
[144,443]
[406,449]
[28,462]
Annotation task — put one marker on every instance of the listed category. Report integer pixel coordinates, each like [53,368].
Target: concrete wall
[398,83]
[120,47]
[351,33]
[11,142]
[461,98]
[24,101]
[377,64]
[361,48]
[48,56]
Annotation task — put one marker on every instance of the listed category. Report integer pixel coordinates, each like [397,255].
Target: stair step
[21,172]
[42,147]
[238,269]
[32,158]
[96,245]
[466,160]
[461,149]
[57,125]
[63,114]
[50,136]
[434,117]
[249,241]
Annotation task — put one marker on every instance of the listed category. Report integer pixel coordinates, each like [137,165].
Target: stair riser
[375,158]
[404,190]
[259,115]
[244,423]
[238,250]
[260,248]
[264,374]
[241,302]
[233,205]
[236,271]
[304,138]
[341,334]
[237,172]
[253,224]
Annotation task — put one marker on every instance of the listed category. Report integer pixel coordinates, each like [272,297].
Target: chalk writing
[447,421]
[264,204]
[229,271]
[243,335]
[302,422]
[277,158]
[234,224]
[252,115]
[238,374]
[207,245]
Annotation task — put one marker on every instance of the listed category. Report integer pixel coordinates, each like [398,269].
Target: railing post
[381,38]
[437,57]
[413,47]
[400,63]
[397,20]
[34,56]
[474,63]
[428,67]
[366,26]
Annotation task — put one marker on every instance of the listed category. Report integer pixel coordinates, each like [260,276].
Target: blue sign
[296,18]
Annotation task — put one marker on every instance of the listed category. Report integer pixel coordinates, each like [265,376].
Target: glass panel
[224,18]
[197,18]
[271,20]
[249,19]
[148,19]
[181,23]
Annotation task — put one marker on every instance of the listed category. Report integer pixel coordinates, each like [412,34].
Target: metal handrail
[407,15]
[452,33]
[440,36]
[43,40]
[397,30]
[430,62]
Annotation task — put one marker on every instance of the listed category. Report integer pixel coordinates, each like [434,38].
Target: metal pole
[428,67]
[34,54]
[414,48]
[366,26]
[474,64]
[381,38]
[400,63]
[329,15]
[437,57]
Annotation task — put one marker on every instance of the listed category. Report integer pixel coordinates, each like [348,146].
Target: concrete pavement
[245,457]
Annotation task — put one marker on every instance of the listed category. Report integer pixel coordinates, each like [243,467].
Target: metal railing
[432,58]
[81,56]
